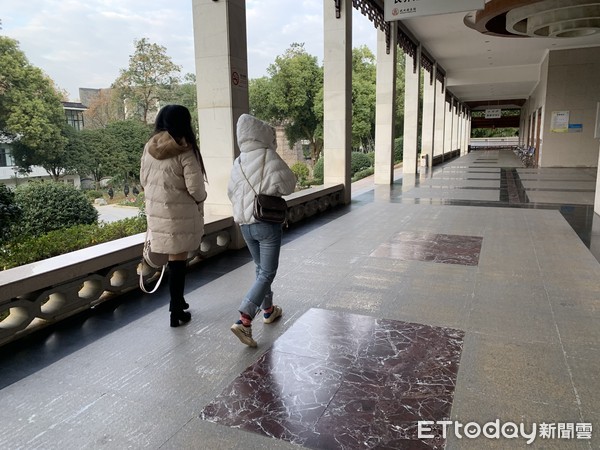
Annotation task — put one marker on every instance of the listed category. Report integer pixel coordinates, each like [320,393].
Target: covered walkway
[467,294]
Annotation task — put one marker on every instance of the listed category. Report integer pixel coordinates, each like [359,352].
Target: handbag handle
[141,281]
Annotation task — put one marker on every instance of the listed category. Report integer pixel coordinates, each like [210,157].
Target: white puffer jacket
[174,193]
[257,142]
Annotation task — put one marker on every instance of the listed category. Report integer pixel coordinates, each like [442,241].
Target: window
[6,159]
[74,118]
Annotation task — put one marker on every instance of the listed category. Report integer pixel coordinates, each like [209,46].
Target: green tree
[295,80]
[364,70]
[128,138]
[399,128]
[31,112]
[98,155]
[185,94]
[147,80]
[259,90]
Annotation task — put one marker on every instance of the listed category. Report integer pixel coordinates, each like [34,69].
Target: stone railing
[45,292]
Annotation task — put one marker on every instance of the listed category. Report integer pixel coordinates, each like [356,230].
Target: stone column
[467,133]
[222,88]
[440,115]
[459,128]
[337,95]
[412,82]
[385,107]
[428,131]
[597,198]
[448,106]
[455,127]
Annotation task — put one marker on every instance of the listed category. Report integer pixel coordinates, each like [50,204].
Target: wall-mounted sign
[575,127]
[495,113]
[404,9]
[238,78]
[559,122]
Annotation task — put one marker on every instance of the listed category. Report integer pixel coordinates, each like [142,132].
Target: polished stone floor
[339,380]
[469,294]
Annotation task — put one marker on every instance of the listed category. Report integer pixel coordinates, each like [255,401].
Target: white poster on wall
[560,122]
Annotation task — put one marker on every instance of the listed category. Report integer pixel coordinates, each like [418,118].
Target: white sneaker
[275,314]
[244,334]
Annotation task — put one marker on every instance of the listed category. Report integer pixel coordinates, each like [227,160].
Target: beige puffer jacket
[255,138]
[174,190]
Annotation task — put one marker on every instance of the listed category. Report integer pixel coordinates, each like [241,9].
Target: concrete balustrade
[45,292]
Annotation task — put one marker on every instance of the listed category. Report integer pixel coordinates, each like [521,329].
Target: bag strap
[262,174]
[141,282]
[156,286]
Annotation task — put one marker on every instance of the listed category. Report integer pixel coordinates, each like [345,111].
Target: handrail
[48,291]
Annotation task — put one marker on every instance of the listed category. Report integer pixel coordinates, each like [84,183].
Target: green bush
[301,171]
[51,206]
[363,174]
[318,171]
[398,149]
[92,194]
[358,162]
[28,249]
[10,213]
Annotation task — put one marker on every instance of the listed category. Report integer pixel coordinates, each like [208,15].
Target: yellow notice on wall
[560,122]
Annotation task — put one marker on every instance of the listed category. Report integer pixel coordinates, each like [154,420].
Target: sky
[86,43]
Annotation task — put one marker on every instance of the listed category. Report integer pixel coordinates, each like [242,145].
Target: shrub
[51,206]
[359,161]
[28,249]
[92,194]
[398,149]
[301,171]
[318,171]
[363,174]
[10,213]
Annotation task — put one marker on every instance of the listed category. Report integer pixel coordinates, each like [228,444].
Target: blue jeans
[264,242]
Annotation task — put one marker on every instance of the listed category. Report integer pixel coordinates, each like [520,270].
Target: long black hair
[177,121]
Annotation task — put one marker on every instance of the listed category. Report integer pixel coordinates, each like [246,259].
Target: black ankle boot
[180,317]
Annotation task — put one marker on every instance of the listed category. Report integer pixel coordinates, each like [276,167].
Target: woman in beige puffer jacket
[173,176]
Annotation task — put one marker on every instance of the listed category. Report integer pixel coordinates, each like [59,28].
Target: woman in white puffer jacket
[258,169]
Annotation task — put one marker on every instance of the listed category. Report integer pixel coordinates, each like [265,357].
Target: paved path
[112,213]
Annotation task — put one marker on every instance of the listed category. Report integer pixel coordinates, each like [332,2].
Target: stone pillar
[222,88]
[597,198]
[440,115]
[385,107]
[466,133]
[459,128]
[412,82]
[455,127]
[448,124]
[337,95]
[428,131]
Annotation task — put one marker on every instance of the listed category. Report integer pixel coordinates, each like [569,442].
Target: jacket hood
[253,133]
[163,146]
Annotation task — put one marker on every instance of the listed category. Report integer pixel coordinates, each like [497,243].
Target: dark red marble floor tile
[336,380]
[439,248]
